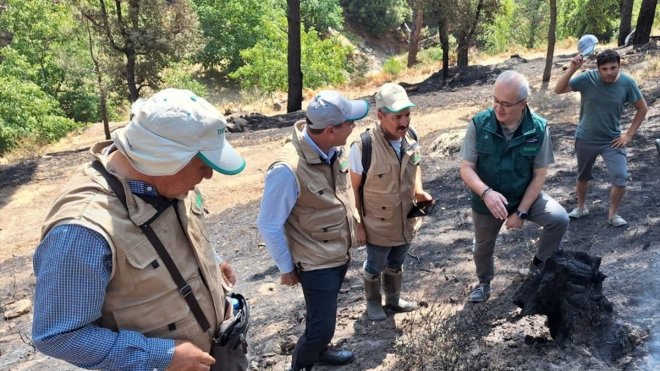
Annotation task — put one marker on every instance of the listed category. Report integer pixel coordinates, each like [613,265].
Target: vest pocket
[157,313]
[327,233]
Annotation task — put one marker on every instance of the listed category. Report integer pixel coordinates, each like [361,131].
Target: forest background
[65,64]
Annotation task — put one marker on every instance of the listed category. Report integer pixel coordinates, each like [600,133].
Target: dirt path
[440,270]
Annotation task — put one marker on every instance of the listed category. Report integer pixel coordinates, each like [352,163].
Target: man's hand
[228,273]
[188,357]
[495,202]
[289,279]
[514,222]
[423,196]
[361,234]
[621,141]
[577,62]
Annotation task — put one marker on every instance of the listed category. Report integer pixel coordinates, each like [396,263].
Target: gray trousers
[545,211]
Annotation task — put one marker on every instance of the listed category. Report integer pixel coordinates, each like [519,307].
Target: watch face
[521,214]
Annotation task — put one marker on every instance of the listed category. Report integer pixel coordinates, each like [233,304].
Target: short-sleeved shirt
[469,149]
[602,105]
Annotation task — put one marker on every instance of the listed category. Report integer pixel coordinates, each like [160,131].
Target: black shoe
[335,357]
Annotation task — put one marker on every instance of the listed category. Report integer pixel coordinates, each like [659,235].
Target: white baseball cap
[329,108]
[587,44]
[393,97]
[170,128]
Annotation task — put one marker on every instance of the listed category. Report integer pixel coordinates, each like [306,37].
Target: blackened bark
[295,78]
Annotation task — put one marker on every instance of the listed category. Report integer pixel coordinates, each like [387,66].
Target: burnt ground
[448,332]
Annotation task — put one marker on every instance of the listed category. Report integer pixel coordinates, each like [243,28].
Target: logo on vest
[343,165]
[529,149]
[199,202]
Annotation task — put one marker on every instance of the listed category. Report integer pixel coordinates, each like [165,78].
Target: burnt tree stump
[569,292]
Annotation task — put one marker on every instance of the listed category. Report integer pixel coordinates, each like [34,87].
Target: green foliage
[322,14]
[181,76]
[379,16]
[323,61]
[498,34]
[393,67]
[231,26]
[430,55]
[27,112]
[517,23]
[53,48]
[579,17]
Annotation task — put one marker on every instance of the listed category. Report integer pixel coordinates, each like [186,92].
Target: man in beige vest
[104,298]
[392,184]
[308,222]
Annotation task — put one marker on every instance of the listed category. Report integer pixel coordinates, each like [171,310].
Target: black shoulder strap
[184,289]
[413,133]
[365,138]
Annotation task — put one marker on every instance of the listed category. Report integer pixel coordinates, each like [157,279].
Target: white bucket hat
[587,45]
[170,128]
[393,97]
[329,108]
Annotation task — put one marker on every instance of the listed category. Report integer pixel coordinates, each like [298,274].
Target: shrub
[392,67]
[27,112]
[181,76]
[379,16]
[323,61]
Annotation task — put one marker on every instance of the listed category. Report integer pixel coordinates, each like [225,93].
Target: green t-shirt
[602,105]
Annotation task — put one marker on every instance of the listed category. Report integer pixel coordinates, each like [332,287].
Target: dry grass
[434,338]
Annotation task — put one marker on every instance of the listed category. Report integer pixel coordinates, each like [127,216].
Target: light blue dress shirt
[280,196]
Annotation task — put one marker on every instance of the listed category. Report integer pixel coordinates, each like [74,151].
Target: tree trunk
[465,40]
[444,42]
[133,91]
[534,24]
[626,17]
[413,47]
[103,100]
[551,41]
[645,22]
[295,78]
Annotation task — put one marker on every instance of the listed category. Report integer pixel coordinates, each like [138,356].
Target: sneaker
[618,221]
[480,293]
[577,213]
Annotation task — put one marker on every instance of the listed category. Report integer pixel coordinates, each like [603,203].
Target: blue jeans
[378,257]
[320,288]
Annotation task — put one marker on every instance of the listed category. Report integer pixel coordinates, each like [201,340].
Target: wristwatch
[521,214]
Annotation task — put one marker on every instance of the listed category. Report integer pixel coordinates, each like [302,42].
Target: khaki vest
[321,227]
[141,295]
[389,191]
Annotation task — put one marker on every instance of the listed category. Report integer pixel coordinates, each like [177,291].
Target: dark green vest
[506,167]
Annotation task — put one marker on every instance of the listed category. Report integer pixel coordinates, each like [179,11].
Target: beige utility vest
[321,227]
[389,191]
[141,294]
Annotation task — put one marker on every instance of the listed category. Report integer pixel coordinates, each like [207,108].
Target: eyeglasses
[506,104]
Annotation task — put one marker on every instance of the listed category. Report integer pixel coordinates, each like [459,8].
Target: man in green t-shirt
[604,94]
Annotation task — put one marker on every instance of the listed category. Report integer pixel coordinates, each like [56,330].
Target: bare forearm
[562,85]
[532,192]
[471,179]
[637,120]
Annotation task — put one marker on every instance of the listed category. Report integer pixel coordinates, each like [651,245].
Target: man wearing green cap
[384,194]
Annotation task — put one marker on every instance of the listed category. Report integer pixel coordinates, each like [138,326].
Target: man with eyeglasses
[307,219]
[505,154]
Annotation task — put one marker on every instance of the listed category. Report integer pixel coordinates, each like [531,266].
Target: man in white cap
[604,93]
[104,297]
[307,219]
[384,195]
